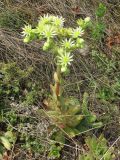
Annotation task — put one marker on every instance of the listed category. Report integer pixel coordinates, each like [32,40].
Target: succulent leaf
[5,142]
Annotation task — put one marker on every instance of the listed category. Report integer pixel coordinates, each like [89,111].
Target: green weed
[98,27]
[97,149]
[54,151]
[101,10]
[14,83]
[104,63]
[11,19]
[6,142]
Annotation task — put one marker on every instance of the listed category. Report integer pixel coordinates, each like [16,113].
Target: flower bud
[87,19]
[26,39]
[63,69]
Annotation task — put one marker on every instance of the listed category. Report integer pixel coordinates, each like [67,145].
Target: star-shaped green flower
[78,32]
[67,44]
[64,59]
[27,30]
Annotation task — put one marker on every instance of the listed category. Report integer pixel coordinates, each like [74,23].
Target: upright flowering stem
[58,84]
[57,87]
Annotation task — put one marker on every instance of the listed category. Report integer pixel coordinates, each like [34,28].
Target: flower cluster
[59,40]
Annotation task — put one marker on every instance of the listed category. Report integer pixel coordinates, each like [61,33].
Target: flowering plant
[65,112]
